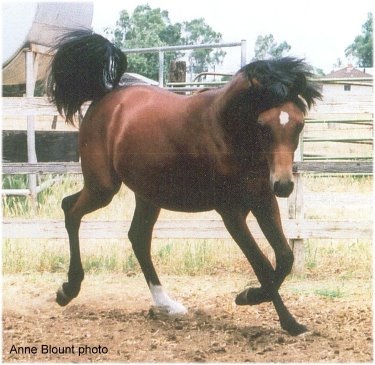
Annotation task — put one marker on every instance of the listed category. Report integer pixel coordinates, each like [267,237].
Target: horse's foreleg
[75,207]
[268,217]
[235,222]
[140,235]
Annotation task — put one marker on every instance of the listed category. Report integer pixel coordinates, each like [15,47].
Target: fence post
[31,152]
[243,52]
[177,71]
[161,68]
[295,212]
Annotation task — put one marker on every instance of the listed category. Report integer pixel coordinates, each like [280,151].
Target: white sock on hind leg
[162,300]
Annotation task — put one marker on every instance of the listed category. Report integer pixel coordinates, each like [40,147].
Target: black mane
[281,80]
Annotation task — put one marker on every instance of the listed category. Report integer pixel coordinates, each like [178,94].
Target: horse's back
[141,99]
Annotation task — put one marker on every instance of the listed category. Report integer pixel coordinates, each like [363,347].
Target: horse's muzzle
[283,189]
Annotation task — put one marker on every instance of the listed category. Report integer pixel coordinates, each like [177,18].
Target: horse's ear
[311,93]
[254,82]
[304,87]
[280,80]
[264,76]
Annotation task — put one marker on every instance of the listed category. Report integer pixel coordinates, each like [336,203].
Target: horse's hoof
[61,298]
[294,328]
[164,310]
[252,296]
[171,309]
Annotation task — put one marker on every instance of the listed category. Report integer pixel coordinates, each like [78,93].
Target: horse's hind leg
[140,235]
[75,207]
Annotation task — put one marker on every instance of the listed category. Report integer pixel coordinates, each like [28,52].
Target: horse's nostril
[283,189]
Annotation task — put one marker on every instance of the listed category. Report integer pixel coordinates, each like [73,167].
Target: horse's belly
[186,184]
[180,189]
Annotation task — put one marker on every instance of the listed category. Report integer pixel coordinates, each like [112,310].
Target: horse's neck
[236,115]
[232,103]
[232,90]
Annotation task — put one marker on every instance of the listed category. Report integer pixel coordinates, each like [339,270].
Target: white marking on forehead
[284,118]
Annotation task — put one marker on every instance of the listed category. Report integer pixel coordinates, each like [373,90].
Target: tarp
[50,21]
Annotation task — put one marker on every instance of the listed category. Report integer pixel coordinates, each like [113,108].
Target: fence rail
[326,132]
[297,228]
[187,228]
[350,167]
[162,50]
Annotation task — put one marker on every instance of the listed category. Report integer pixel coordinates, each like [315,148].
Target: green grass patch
[329,293]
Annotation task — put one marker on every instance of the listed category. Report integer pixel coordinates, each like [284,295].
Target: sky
[317,30]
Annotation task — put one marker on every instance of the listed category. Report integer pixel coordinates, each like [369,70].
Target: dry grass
[349,259]
[122,205]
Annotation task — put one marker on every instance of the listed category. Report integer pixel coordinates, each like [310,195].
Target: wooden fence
[296,227]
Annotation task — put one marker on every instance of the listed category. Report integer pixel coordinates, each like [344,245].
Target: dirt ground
[111,321]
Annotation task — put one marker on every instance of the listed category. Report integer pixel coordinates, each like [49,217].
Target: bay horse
[229,149]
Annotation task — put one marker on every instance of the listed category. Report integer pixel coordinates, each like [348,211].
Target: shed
[29,32]
[348,80]
[41,27]
[348,90]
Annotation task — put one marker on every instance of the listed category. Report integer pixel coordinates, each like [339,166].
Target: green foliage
[15,205]
[198,32]
[318,71]
[148,27]
[310,259]
[329,293]
[20,256]
[362,47]
[266,47]
[48,201]
[20,89]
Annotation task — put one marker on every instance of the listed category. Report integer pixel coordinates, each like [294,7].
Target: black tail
[85,67]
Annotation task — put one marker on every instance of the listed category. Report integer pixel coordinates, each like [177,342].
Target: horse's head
[279,130]
[281,92]
[272,97]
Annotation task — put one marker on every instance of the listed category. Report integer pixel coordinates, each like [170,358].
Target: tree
[198,32]
[148,27]
[267,47]
[362,47]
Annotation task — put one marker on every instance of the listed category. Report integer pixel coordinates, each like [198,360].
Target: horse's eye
[299,128]
[266,133]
